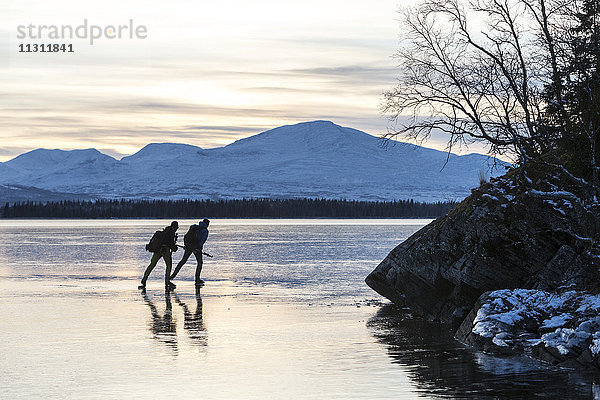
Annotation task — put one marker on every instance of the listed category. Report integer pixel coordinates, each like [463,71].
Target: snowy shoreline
[558,328]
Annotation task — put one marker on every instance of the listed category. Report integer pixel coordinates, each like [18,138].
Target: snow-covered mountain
[311,159]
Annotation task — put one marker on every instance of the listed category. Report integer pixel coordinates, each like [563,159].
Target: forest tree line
[243,208]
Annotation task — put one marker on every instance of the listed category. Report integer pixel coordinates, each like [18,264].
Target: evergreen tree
[581,144]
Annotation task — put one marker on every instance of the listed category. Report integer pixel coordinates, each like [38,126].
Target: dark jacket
[201,235]
[170,238]
[195,242]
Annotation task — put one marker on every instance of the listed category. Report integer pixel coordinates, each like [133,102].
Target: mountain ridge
[309,159]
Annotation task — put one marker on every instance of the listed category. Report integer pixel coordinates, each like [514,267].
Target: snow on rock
[565,339]
[557,320]
[559,328]
[595,346]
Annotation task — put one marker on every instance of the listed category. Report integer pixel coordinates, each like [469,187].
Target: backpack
[190,240]
[156,242]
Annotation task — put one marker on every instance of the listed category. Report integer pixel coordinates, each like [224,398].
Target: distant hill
[311,159]
[17,193]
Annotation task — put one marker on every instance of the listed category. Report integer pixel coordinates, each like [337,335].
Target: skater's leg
[186,255]
[198,254]
[169,263]
[155,257]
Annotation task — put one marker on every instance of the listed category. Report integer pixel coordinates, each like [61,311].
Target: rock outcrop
[500,237]
[559,329]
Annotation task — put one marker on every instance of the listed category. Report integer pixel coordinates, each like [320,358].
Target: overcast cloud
[207,74]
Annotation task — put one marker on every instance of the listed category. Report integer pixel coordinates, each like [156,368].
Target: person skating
[193,242]
[161,246]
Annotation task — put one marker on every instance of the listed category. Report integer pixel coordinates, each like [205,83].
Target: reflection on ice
[193,322]
[163,327]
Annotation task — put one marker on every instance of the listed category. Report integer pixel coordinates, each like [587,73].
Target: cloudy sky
[207,73]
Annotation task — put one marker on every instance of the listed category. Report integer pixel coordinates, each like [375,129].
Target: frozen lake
[284,313]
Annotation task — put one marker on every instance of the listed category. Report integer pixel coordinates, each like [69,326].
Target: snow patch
[567,322]
[556,321]
[489,196]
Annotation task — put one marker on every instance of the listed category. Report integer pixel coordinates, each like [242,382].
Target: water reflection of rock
[440,366]
[163,328]
[193,322]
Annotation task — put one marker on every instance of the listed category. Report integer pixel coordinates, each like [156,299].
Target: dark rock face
[500,237]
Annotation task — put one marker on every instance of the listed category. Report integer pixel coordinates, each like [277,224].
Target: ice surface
[284,314]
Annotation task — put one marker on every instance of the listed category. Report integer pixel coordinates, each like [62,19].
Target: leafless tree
[489,71]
